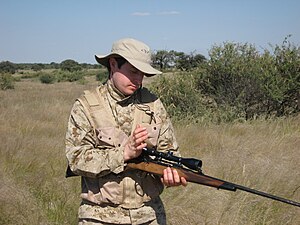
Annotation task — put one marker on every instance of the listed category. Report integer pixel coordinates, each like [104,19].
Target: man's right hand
[135,143]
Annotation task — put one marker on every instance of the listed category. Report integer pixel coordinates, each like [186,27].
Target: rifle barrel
[267,195]
[233,187]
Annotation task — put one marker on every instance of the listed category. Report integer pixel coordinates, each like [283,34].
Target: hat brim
[144,67]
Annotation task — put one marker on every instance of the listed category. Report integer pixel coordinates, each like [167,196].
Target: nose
[138,77]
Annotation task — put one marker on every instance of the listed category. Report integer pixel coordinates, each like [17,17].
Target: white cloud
[169,13]
[141,14]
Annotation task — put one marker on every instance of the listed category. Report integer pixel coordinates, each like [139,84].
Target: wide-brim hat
[137,53]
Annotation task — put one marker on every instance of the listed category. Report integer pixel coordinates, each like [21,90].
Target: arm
[84,158]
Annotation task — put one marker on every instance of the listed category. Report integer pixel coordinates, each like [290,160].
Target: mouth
[135,86]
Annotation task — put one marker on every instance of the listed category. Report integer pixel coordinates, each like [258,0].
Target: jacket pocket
[104,190]
[153,134]
[110,136]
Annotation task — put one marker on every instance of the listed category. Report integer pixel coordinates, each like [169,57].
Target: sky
[45,31]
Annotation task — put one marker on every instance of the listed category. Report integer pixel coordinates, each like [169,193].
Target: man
[109,126]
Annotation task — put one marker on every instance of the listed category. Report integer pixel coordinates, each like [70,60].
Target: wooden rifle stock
[190,176]
[163,160]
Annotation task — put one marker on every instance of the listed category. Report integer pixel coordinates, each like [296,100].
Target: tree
[54,65]
[70,65]
[38,67]
[163,59]
[8,67]
[188,62]
[166,59]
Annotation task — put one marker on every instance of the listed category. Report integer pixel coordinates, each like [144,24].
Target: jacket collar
[118,96]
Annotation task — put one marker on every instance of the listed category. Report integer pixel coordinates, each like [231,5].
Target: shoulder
[92,96]
[95,91]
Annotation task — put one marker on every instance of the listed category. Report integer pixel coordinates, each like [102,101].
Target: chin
[128,92]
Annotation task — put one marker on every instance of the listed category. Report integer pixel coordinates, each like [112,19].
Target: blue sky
[54,30]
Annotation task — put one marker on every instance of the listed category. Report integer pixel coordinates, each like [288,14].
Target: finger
[140,141]
[141,146]
[140,132]
[165,177]
[183,181]
[138,129]
[176,177]
[170,178]
[141,135]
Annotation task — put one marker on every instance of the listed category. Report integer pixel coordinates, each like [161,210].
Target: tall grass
[261,154]
[33,120]
[33,190]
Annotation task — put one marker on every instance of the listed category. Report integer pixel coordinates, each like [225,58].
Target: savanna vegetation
[237,82]
[238,111]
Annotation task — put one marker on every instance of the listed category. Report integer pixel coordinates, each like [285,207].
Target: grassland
[260,154]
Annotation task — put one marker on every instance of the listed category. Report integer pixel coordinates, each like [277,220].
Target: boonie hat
[135,52]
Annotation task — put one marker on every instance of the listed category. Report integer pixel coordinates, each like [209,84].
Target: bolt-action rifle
[155,162]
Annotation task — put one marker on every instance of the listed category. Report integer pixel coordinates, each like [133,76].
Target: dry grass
[33,190]
[33,120]
[263,155]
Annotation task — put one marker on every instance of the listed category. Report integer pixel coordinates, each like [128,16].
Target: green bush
[6,81]
[8,67]
[181,97]
[102,75]
[232,77]
[286,94]
[239,82]
[47,78]
[69,76]
[70,65]
[255,84]
[27,75]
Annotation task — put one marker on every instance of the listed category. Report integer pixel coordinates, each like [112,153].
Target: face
[126,79]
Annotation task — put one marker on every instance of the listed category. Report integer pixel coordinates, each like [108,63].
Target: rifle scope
[191,163]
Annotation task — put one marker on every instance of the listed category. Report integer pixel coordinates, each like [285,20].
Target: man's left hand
[171,178]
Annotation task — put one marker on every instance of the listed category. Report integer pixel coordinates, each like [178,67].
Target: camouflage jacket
[99,126]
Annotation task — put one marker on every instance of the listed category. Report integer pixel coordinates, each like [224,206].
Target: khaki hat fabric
[135,52]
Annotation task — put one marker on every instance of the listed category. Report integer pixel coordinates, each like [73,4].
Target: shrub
[75,76]
[286,94]
[181,97]
[69,76]
[232,75]
[102,75]
[239,82]
[8,67]
[6,81]
[70,65]
[255,84]
[47,78]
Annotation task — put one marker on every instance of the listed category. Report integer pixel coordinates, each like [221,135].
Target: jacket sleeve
[166,140]
[85,158]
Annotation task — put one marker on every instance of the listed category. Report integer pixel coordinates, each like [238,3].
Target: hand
[171,178]
[135,143]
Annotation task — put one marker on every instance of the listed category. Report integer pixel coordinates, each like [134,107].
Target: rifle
[155,162]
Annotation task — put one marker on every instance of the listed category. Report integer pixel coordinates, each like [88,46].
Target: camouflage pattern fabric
[110,193]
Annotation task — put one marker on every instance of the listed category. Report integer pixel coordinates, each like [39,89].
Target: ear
[113,64]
